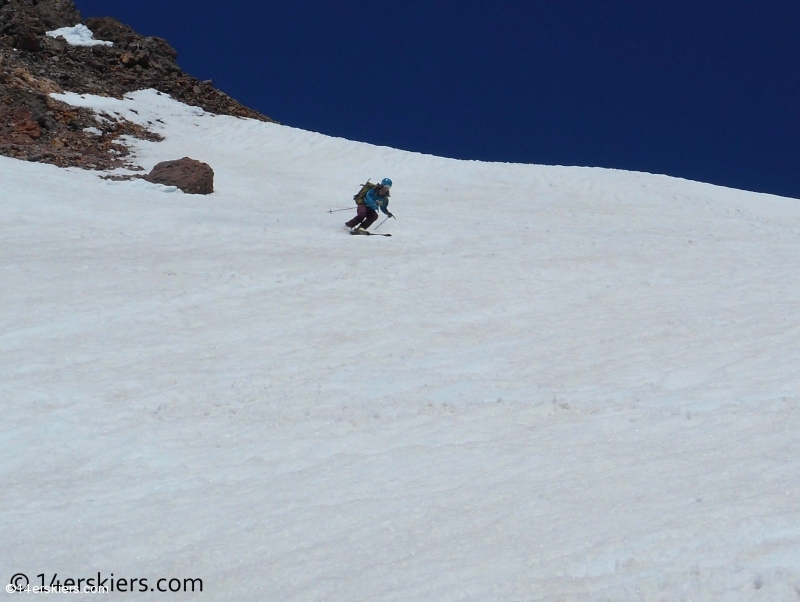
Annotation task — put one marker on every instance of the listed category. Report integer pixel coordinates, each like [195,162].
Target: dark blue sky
[707,90]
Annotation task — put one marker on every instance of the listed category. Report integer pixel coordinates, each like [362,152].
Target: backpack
[365,188]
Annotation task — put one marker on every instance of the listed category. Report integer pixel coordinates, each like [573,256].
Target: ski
[365,233]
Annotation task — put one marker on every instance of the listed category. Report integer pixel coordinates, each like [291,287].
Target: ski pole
[335,210]
[379,225]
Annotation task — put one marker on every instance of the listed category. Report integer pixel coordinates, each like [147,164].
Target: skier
[375,198]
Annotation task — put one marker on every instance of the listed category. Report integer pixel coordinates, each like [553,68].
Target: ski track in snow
[551,383]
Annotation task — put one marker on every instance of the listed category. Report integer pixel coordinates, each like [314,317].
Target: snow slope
[550,384]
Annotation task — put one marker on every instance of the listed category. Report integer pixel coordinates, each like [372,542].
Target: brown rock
[28,128]
[128,59]
[193,177]
[159,47]
[58,44]
[36,16]
[111,30]
[24,130]
[21,139]
[28,41]
[55,14]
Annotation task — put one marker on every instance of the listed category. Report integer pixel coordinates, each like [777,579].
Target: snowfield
[550,383]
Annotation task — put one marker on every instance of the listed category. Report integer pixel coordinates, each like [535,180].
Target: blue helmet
[386,182]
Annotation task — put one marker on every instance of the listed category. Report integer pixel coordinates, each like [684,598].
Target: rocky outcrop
[35,17]
[193,177]
[34,127]
[33,65]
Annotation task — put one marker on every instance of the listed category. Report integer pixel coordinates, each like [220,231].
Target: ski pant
[365,216]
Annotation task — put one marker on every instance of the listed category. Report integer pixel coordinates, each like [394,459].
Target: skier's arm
[381,202]
[370,200]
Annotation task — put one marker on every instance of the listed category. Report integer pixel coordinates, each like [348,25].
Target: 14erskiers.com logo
[100,585]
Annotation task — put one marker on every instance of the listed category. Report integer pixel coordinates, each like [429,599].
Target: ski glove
[389,213]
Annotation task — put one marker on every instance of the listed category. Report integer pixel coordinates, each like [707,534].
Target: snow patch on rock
[79,35]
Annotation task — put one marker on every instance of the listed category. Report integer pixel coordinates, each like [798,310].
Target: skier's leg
[372,215]
[361,213]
